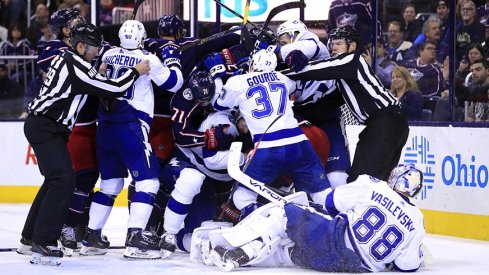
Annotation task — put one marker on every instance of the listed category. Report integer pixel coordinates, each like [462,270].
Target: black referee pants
[50,207]
[380,144]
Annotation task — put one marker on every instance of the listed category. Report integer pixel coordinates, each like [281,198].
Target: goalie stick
[259,187]
[136,7]
[273,13]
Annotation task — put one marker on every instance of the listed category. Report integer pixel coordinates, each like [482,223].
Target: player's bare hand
[102,69]
[143,67]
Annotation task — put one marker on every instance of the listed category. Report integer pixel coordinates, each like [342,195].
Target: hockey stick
[210,38]
[259,187]
[279,9]
[235,185]
[273,12]
[246,38]
[10,249]
[136,7]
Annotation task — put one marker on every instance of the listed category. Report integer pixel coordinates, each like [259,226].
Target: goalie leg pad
[200,244]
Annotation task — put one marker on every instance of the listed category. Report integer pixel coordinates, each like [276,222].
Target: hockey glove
[170,55]
[214,64]
[260,45]
[217,138]
[296,60]
[235,55]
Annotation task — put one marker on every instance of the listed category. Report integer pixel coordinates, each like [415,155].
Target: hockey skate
[227,260]
[141,245]
[46,255]
[94,243]
[67,241]
[80,232]
[25,247]
[168,245]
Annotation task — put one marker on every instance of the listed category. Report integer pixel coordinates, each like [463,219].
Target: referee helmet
[87,34]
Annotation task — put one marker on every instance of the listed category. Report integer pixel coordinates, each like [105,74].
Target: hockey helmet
[257,34]
[406,180]
[349,33]
[263,61]
[63,18]
[132,34]
[202,86]
[290,27]
[170,25]
[87,34]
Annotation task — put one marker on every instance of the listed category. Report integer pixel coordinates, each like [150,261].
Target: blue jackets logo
[418,152]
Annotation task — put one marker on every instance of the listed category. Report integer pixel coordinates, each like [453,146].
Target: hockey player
[374,227]
[196,166]
[317,101]
[262,96]
[122,144]
[370,102]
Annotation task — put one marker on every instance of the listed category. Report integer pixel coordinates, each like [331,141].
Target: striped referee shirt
[360,87]
[69,80]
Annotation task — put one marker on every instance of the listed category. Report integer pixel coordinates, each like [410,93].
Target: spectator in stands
[430,32]
[470,30]
[475,52]
[47,36]
[14,12]
[396,47]
[383,64]
[18,45]
[412,26]
[105,15]
[10,94]
[34,32]
[356,13]
[442,12]
[483,13]
[426,71]
[405,89]
[476,92]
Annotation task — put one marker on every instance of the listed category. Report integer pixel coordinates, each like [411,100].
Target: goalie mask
[406,180]
[263,61]
[132,34]
[294,28]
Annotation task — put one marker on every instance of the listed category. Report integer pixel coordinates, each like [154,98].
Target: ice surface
[451,255]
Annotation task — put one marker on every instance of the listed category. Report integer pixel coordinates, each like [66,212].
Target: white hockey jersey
[212,163]
[262,97]
[309,45]
[384,227]
[140,95]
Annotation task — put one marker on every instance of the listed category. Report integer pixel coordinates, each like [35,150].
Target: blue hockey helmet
[63,18]
[202,86]
[171,25]
[406,180]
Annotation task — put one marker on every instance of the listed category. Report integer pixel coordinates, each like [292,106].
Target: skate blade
[67,252]
[205,251]
[220,263]
[136,253]
[44,260]
[24,250]
[92,251]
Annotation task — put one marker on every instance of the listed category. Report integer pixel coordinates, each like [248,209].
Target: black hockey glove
[296,60]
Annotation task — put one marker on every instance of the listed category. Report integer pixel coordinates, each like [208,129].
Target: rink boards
[454,160]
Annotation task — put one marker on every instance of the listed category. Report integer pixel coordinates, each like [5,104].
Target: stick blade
[233,160]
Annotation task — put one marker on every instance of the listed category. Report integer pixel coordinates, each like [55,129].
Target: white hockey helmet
[263,61]
[406,180]
[132,34]
[290,27]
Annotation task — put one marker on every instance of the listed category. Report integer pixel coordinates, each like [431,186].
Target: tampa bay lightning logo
[418,153]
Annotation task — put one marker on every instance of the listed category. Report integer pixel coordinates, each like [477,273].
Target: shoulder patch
[187,94]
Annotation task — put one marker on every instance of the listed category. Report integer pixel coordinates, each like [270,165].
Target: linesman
[52,115]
